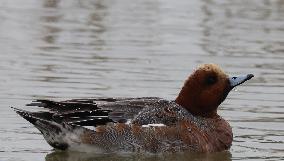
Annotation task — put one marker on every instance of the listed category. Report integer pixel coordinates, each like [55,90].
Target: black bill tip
[235,81]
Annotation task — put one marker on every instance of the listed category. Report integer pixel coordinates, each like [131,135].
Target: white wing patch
[153,125]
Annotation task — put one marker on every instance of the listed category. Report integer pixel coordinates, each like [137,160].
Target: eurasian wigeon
[147,124]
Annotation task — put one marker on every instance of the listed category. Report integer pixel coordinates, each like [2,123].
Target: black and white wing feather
[92,112]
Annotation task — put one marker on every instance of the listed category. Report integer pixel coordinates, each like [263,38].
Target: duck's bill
[235,81]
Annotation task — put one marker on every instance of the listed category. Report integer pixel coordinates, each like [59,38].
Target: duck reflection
[77,156]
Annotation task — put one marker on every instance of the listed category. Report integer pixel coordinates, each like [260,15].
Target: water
[66,49]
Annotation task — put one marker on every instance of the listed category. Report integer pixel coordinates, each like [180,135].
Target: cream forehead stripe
[211,67]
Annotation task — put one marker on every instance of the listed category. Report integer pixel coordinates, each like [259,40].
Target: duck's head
[206,89]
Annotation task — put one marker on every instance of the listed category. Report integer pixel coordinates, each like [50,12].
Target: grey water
[64,49]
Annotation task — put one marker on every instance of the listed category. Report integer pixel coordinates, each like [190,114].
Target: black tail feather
[34,116]
[48,128]
[26,115]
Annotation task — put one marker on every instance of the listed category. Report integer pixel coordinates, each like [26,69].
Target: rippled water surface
[61,49]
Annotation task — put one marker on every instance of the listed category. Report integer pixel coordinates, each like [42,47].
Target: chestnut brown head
[206,89]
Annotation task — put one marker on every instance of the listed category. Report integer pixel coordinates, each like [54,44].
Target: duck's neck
[191,105]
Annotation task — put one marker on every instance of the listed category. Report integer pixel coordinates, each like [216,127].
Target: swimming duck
[146,124]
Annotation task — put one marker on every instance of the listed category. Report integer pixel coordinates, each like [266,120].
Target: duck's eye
[211,80]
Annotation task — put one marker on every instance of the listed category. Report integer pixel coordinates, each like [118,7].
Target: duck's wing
[93,112]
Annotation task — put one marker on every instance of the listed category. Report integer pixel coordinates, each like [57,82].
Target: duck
[142,124]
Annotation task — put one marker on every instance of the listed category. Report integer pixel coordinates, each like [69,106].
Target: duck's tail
[57,134]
